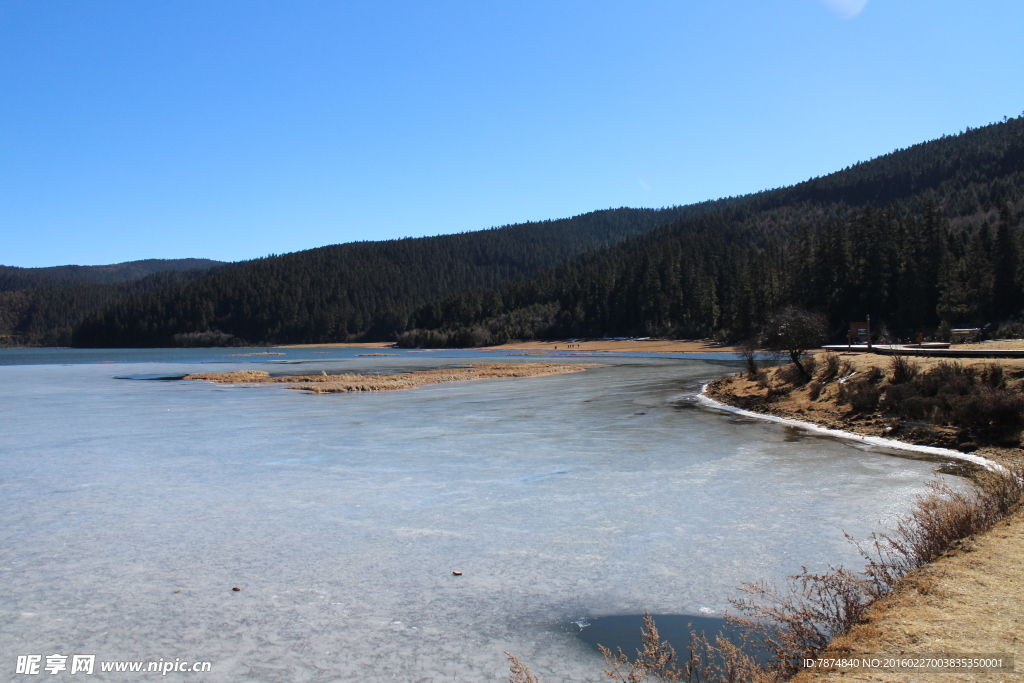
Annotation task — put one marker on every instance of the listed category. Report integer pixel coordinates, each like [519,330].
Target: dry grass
[327,384]
[518,673]
[939,520]
[261,353]
[233,377]
[970,405]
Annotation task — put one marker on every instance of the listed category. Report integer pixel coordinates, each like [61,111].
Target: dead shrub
[959,396]
[814,390]
[983,408]
[792,374]
[748,352]
[873,374]
[726,659]
[830,366]
[800,620]
[863,396]
[940,519]
[902,369]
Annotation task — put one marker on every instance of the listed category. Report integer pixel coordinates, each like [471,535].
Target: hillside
[920,238]
[13,278]
[362,289]
[45,314]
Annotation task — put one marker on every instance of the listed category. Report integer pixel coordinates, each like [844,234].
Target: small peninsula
[346,383]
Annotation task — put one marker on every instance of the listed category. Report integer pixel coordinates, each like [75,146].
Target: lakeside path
[970,601]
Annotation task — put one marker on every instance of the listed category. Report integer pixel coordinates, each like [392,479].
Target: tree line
[362,290]
[947,254]
[920,237]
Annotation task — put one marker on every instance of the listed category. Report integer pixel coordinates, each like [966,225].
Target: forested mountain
[915,238]
[345,291]
[45,315]
[13,278]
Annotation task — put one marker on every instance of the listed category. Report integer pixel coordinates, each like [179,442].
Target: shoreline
[820,402]
[620,346]
[977,579]
[589,345]
[988,464]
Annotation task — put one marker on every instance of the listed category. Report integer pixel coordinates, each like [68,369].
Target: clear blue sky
[231,130]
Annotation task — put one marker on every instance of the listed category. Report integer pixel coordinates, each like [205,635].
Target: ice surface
[342,517]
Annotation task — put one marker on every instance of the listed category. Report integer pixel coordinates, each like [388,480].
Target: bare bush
[960,396]
[726,660]
[792,374]
[762,379]
[902,369]
[862,395]
[656,661]
[939,520]
[814,390]
[800,620]
[748,352]
[831,365]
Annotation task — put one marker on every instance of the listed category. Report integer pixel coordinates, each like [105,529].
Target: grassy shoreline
[968,599]
[848,392]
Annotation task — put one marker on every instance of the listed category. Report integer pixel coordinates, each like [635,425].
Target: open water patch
[623,631]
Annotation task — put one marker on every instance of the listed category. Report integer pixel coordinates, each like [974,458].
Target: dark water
[624,632]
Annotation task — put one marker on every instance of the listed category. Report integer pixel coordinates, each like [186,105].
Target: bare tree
[794,331]
[748,352]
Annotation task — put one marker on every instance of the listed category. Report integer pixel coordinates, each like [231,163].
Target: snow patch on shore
[990,465]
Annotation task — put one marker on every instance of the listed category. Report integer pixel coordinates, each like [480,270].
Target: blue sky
[232,130]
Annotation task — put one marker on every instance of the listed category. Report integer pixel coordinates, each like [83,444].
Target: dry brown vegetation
[326,384]
[970,405]
[260,353]
[837,611]
[832,612]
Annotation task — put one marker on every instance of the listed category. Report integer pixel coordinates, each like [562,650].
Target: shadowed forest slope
[919,237]
[361,289]
[41,306]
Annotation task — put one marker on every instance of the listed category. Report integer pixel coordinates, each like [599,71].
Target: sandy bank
[326,384]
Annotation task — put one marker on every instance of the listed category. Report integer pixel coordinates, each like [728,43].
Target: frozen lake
[131,508]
